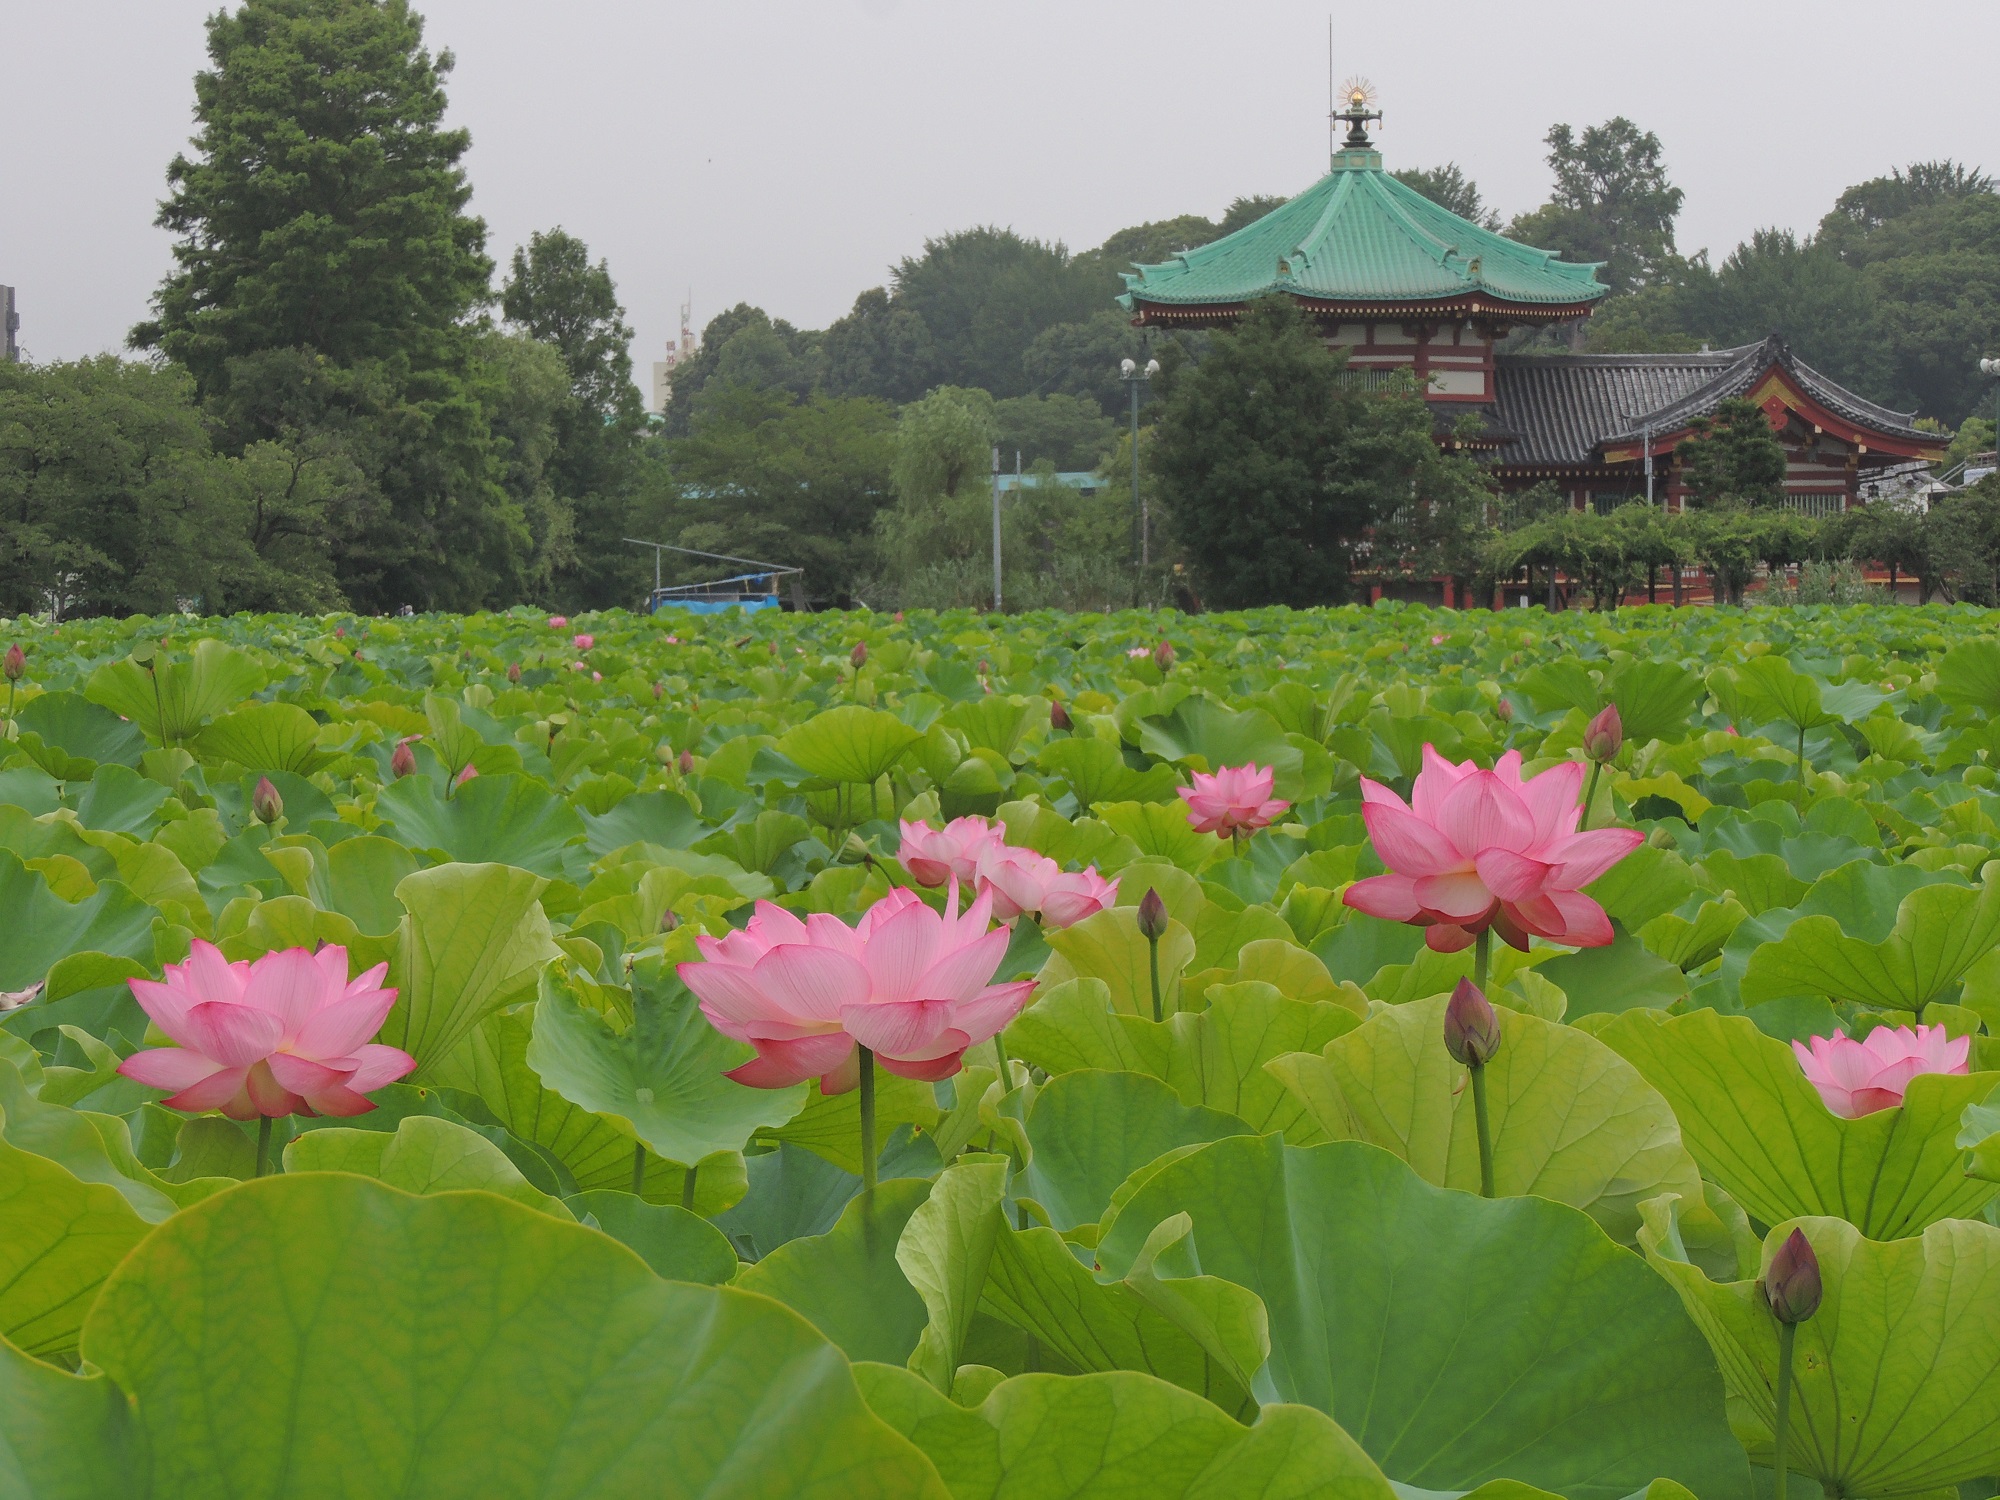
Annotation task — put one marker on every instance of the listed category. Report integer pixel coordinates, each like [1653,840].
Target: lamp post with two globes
[1134,377]
[1992,367]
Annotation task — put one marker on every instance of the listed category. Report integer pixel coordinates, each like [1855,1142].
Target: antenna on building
[1330,105]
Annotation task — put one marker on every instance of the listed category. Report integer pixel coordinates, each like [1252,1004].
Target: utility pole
[1134,377]
[996,528]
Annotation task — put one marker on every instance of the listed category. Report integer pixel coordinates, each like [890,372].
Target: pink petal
[1455,897]
[291,986]
[376,1065]
[1445,937]
[211,976]
[898,953]
[926,1070]
[810,984]
[221,1090]
[301,1076]
[1511,876]
[234,1035]
[988,1013]
[269,1096]
[779,1065]
[898,1028]
[1435,782]
[170,1068]
[1481,813]
[1582,857]
[166,1003]
[339,1102]
[1391,897]
[961,973]
[1551,800]
[1407,844]
[341,1025]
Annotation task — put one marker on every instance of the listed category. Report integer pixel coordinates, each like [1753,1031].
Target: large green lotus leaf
[1097,773]
[1213,1058]
[944,1252]
[324,1335]
[1940,932]
[492,1063]
[1571,1119]
[664,819]
[422,1155]
[1091,1130]
[1202,1333]
[1119,1437]
[678,1244]
[1761,1131]
[848,743]
[1622,975]
[59,1238]
[42,928]
[506,820]
[1969,674]
[473,941]
[993,721]
[91,1147]
[1203,735]
[830,1124]
[120,800]
[361,879]
[264,737]
[78,727]
[846,1282]
[660,1078]
[172,701]
[1895,1387]
[1108,945]
[63,1437]
[1655,699]
[1160,830]
[1459,1339]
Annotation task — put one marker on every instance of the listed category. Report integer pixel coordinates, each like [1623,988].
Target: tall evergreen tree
[1733,460]
[1612,203]
[328,274]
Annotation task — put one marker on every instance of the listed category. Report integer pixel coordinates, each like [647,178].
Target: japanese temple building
[1401,283]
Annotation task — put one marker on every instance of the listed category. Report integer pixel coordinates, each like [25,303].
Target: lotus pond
[1369,1053]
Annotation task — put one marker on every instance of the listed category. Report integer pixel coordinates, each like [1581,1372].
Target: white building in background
[678,350]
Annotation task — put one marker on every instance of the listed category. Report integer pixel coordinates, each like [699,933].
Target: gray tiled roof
[1564,407]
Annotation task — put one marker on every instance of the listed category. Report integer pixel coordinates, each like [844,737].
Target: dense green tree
[1449,187]
[772,354]
[326,267]
[1082,359]
[1612,202]
[1274,466]
[556,295]
[116,503]
[525,390]
[1069,433]
[764,476]
[1243,212]
[1733,460]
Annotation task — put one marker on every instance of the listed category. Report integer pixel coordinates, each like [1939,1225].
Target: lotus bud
[1603,736]
[687,762]
[1792,1285]
[467,774]
[404,761]
[1152,916]
[859,655]
[659,691]
[1504,711]
[17,662]
[1471,1030]
[899,617]
[1163,656]
[339,631]
[1059,718]
[265,801]
[513,671]
[669,921]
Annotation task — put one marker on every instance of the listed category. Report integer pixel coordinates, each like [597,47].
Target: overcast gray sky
[787,153]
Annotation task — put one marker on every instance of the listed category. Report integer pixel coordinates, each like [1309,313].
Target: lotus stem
[1589,796]
[1000,1060]
[1787,1334]
[1478,1072]
[1153,957]
[687,1186]
[638,1169]
[1482,953]
[867,1121]
[263,1144]
[1802,767]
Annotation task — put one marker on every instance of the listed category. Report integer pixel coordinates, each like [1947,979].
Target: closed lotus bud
[17,662]
[659,691]
[1059,718]
[1163,656]
[1504,711]
[668,921]
[265,801]
[1603,736]
[859,655]
[1792,1284]
[686,762]
[1471,1030]
[513,671]
[404,761]
[1152,916]
[339,631]
[468,773]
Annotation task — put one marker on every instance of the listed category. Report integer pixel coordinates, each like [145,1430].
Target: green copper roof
[1359,235]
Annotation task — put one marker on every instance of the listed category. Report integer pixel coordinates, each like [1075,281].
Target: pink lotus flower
[1439,640]
[1858,1078]
[908,984]
[285,1035]
[583,642]
[935,855]
[1476,849]
[1022,881]
[558,622]
[1234,797]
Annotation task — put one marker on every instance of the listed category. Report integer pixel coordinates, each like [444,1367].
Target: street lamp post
[1992,367]
[1134,377]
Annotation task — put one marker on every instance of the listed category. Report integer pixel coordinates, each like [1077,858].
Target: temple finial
[1360,94]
